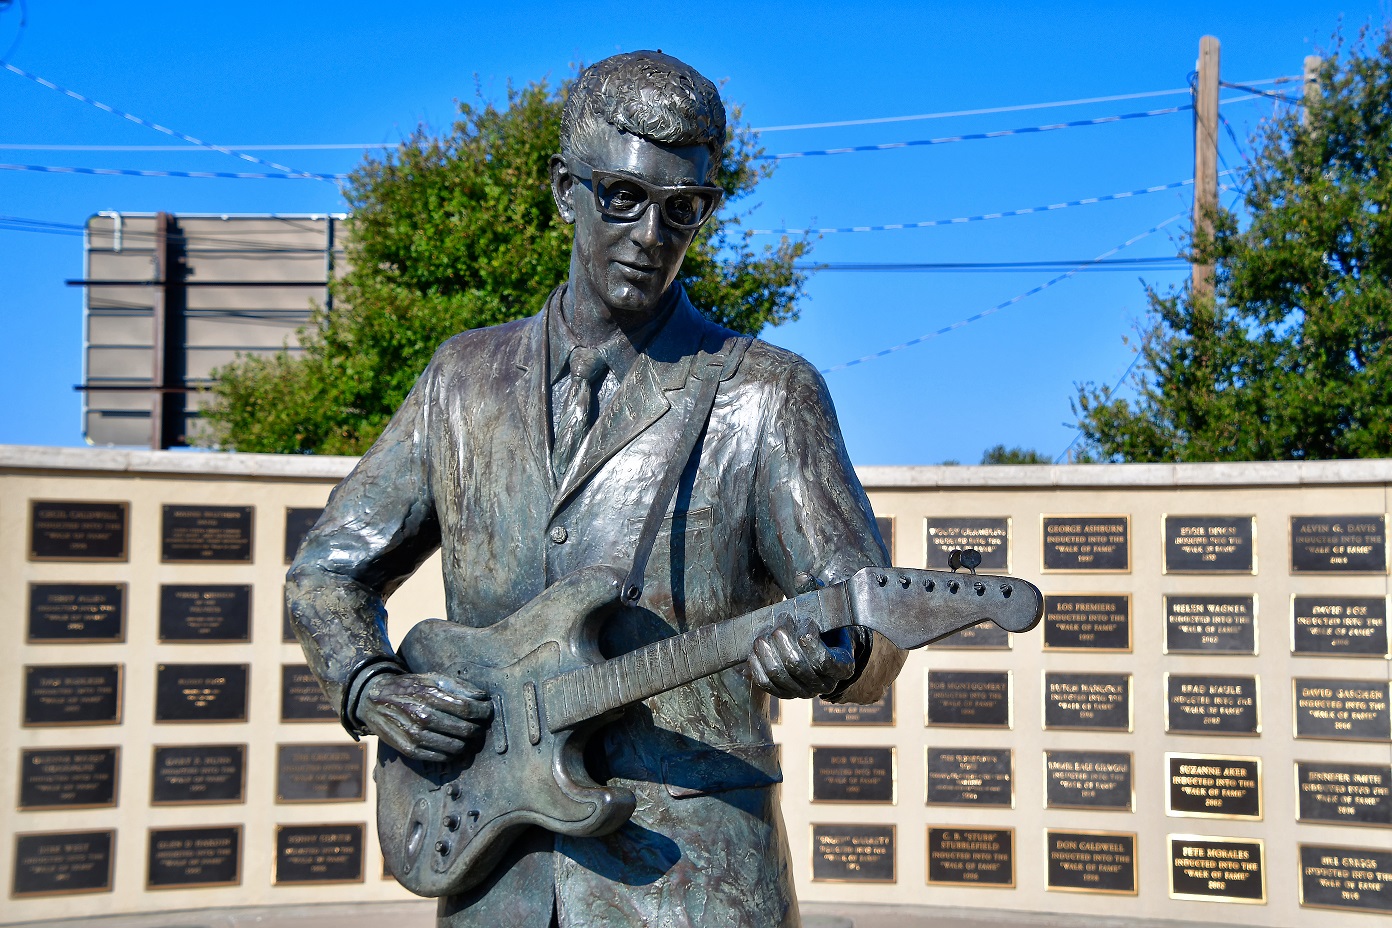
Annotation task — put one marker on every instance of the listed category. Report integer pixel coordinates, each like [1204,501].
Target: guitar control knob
[452,822]
[442,848]
[452,791]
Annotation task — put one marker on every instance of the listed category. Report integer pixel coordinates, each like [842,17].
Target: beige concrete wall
[1270,493]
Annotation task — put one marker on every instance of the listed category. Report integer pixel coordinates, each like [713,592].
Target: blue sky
[348,72]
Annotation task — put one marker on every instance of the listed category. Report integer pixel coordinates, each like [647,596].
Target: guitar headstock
[915,607]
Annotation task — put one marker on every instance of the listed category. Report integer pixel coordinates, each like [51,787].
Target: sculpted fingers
[772,656]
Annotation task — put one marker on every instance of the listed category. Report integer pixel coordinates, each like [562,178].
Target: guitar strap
[711,370]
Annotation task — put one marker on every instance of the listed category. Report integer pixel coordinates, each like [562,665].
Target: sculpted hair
[650,94]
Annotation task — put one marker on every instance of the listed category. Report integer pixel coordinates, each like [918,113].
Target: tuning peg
[971,559]
[954,559]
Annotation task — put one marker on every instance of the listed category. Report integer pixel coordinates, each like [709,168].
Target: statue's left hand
[799,665]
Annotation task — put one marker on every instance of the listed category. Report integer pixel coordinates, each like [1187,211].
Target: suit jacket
[768,506]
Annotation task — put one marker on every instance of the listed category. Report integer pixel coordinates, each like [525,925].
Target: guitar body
[443,825]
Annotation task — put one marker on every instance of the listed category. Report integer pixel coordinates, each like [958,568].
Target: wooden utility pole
[1312,85]
[1205,157]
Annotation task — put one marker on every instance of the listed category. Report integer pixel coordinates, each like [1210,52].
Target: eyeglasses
[626,198]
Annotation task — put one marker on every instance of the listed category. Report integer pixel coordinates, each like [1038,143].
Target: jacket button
[559,534]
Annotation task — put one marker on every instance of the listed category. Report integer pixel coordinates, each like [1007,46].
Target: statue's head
[641,140]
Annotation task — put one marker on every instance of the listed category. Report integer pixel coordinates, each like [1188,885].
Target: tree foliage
[1291,359]
[454,232]
[1000,454]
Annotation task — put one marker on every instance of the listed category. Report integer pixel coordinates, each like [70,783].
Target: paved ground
[420,915]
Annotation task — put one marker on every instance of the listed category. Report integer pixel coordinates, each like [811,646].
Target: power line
[986,111]
[1106,396]
[201,175]
[153,125]
[999,306]
[1162,262]
[327,146]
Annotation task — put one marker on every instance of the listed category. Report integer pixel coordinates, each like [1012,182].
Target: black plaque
[1210,624]
[984,636]
[1091,862]
[853,774]
[1354,878]
[301,697]
[885,526]
[1344,794]
[68,778]
[1209,545]
[319,853]
[1338,544]
[205,613]
[1214,786]
[185,774]
[990,536]
[1217,869]
[1088,701]
[853,854]
[68,530]
[969,698]
[298,522]
[1206,704]
[320,772]
[1087,622]
[971,777]
[206,534]
[1095,544]
[92,612]
[1341,709]
[62,863]
[966,856]
[1089,780]
[182,858]
[72,694]
[1344,626]
[201,693]
[876,713]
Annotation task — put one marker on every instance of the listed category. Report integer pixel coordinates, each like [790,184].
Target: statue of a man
[530,450]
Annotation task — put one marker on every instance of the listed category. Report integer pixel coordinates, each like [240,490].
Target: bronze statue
[609,473]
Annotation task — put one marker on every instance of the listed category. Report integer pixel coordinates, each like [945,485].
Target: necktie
[587,369]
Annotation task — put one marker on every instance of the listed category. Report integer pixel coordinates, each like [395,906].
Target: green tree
[455,232]
[1291,359]
[1000,454]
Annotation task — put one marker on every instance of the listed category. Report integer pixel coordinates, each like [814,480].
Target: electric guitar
[444,825]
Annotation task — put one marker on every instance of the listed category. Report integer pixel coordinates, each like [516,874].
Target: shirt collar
[619,352]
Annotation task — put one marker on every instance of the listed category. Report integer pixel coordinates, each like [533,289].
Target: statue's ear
[563,189]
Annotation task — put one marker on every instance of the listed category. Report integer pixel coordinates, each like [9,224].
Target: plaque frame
[1257,705]
[362,856]
[1170,838]
[1290,549]
[108,886]
[251,613]
[893,714]
[1295,771]
[115,779]
[1084,515]
[928,859]
[1387,629]
[241,850]
[1009,535]
[1009,701]
[812,851]
[1299,849]
[1130,701]
[364,774]
[230,720]
[1130,628]
[1165,570]
[164,803]
[1386,685]
[120,701]
[211,562]
[123,585]
[893,774]
[1256,624]
[32,558]
[1135,861]
[1044,797]
[1009,752]
[1225,816]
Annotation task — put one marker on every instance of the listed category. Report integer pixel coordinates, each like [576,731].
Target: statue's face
[629,264]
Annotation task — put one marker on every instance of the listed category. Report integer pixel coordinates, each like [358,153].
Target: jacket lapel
[534,397]
[643,398]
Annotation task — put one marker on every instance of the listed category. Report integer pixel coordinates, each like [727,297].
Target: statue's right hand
[425,716]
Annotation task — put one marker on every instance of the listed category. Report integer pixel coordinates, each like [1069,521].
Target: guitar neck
[591,691]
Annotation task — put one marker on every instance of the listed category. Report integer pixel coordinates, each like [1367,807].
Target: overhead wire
[1108,395]
[198,175]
